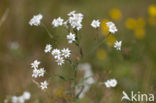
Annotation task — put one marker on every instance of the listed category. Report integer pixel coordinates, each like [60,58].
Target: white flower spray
[38,72]
[73,25]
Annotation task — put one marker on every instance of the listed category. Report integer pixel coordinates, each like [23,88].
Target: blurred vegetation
[20,44]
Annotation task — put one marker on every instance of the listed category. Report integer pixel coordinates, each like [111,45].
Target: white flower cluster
[95,24]
[75,20]
[57,22]
[111,83]
[36,20]
[39,73]
[21,99]
[117,45]
[112,27]
[59,55]
[88,76]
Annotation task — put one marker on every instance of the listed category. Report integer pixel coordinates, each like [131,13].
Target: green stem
[99,44]
[44,26]
[77,43]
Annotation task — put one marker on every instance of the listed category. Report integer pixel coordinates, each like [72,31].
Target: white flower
[36,20]
[26,95]
[57,22]
[14,99]
[112,27]
[35,64]
[117,45]
[66,52]
[60,61]
[75,20]
[35,73]
[56,53]
[110,24]
[107,84]
[111,83]
[44,85]
[41,72]
[47,48]
[21,99]
[95,24]
[71,37]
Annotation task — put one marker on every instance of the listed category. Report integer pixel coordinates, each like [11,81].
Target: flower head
[60,60]
[95,24]
[117,45]
[47,48]
[65,52]
[71,37]
[21,99]
[26,95]
[57,22]
[41,72]
[14,99]
[35,64]
[35,73]
[56,53]
[152,10]
[44,85]
[111,83]
[115,14]
[75,20]
[36,20]
[112,27]
[108,84]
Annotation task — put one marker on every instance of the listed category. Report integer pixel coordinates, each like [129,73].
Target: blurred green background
[134,67]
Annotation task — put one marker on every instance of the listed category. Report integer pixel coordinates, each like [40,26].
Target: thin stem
[77,43]
[99,44]
[74,67]
[44,26]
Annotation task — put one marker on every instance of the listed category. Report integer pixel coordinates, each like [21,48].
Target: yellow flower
[152,10]
[139,33]
[110,40]
[140,23]
[115,14]
[104,27]
[101,54]
[130,23]
[152,21]
[137,25]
